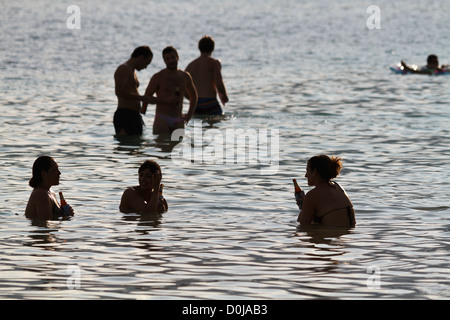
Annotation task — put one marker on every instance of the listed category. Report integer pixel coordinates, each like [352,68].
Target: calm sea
[303,77]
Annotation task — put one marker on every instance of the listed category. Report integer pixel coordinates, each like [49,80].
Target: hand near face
[156,181]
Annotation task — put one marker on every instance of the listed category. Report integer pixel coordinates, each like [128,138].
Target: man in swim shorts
[171,82]
[207,76]
[127,119]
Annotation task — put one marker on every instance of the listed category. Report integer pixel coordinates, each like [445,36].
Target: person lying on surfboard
[431,67]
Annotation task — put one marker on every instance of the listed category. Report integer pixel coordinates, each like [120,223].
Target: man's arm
[151,90]
[218,80]
[152,87]
[193,97]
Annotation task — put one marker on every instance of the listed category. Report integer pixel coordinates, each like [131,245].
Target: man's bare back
[206,73]
[203,71]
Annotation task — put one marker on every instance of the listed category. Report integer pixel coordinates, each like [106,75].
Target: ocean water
[309,76]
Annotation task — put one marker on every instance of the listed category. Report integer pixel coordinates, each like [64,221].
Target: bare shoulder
[216,62]
[123,69]
[39,193]
[313,195]
[156,78]
[193,64]
[129,191]
[186,74]
[158,74]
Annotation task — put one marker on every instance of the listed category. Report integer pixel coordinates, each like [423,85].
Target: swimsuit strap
[349,211]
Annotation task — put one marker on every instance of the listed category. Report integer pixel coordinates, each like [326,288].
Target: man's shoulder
[194,62]
[123,69]
[159,74]
[185,74]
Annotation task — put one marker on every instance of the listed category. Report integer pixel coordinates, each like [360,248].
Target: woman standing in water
[42,204]
[146,197]
[327,204]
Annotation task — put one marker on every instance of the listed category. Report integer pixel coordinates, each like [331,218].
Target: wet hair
[169,50]
[206,44]
[42,163]
[432,58]
[150,164]
[142,51]
[328,168]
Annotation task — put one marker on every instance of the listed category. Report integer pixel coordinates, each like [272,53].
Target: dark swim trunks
[129,120]
[208,106]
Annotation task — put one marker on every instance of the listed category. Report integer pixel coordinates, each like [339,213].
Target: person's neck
[323,183]
[131,63]
[45,186]
[172,70]
[206,54]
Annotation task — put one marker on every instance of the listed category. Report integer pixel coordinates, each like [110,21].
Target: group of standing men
[200,84]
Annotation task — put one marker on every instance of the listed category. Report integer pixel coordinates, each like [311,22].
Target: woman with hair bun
[327,204]
[42,204]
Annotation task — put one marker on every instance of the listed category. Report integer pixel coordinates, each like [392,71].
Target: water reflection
[146,235]
[152,220]
[164,142]
[328,247]
[129,144]
[210,121]
[320,235]
[45,235]
[135,145]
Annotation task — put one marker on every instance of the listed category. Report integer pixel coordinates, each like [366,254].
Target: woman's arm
[306,215]
[132,202]
[162,205]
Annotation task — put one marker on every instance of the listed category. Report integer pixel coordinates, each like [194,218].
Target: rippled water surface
[309,72]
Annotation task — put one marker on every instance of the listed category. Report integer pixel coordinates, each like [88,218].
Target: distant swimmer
[171,82]
[127,118]
[147,196]
[327,204]
[431,67]
[207,75]
[42,204]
